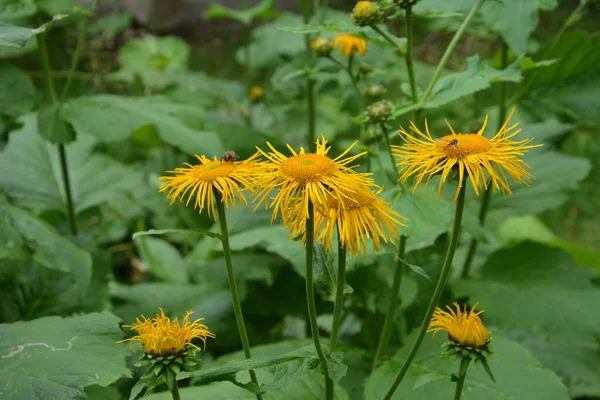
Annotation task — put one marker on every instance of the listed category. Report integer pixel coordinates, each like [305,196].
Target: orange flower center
[213,170]
[462,145]
[305,168]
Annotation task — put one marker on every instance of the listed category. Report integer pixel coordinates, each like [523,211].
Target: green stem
[385,36]
[310,298]
[388,322]
[462,374]
[339,295]
[409,55]
[449,51]
[175,392]
[566,24]
[435,298]
[235,297]
[487,194]
[310,84]
[53,99]
[389,150]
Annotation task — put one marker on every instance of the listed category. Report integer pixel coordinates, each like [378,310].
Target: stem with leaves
[409,55]
[437,293]
[53,99]
[462,374]
[388,323]
[235,297]
[487,194]
[310,298]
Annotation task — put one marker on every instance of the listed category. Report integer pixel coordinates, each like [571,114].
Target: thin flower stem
[464,365]
[339,295]
[310,84]
[53,99]
[235,297]
[388,322]
[409,55]
[435,298]
[487,194]
[348,70]
[175,392]
[310,298]
[566,24]
[389,149]
[449,51]
[385,35]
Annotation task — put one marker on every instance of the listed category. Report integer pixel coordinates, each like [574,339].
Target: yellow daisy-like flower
[472,153]
[463,327]
[360,215]
[202,181]
[256,93]
[303,178]
[162,337]
[348,44]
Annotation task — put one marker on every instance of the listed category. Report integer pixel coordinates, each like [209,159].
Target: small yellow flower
[256,93]
[366,13]
[207,179]
[464,327]
[360,215]
[162,337]
[303,178]
[348,44]
[472,153]
[321,46]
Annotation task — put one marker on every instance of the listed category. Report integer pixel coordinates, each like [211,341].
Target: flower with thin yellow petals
[304,178]
[461,154]
[162,337]
[360,215]
[463,327]
[256,93]
[349,44]
[202,182]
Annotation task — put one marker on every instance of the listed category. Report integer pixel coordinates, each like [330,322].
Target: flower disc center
[463,144]
[305,168]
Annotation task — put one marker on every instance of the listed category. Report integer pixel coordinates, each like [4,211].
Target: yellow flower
[347,44]
[360,215]
[162,337]
[303,178]
[256,93]
[472,153]
[463,327]
[207,179]
[366,13]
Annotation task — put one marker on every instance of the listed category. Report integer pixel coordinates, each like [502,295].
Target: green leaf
[17,9]
[213,391]
[33,173]
[517,289]
[42,272]
[53,7]
[264,9]
[181,231]
[17,93]
[57,357]
[571,86]
[519,19]
[52,126]
[326,274]
[17,36]
[518,374]
[162,259]
[112,118]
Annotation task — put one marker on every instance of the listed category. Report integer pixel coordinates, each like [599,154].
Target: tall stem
[52,98]
[449,51]
[437,293]
[235,297]
[409,55]
[310,84]
[388,323]
[310,298]
[462,374]
[339,294]
[485,201]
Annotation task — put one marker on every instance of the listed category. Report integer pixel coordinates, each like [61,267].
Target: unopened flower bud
[321,46]
[365,68]
[256,94]
[379,112]
[406,3]
[376,91]
[366,13]
[371,135]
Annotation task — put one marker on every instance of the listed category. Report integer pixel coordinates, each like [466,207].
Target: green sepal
[157,368]
[179,360]
[175,368]
[171,382]
[487,369]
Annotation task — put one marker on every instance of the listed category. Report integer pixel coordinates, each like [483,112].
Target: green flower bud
[376,91]
[366,13]
[379,112]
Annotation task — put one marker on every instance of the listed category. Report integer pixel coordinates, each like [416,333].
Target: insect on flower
[229,156]
[450,143]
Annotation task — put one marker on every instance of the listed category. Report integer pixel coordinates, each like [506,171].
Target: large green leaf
[55,358]
[264,9]
[543,298]
[162,259]
[17,36]
[518,375]
[514,20]
[17,93]
[15,9]
[112,118]
[32,173]
[42,272]
[570,86]
[213,391]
